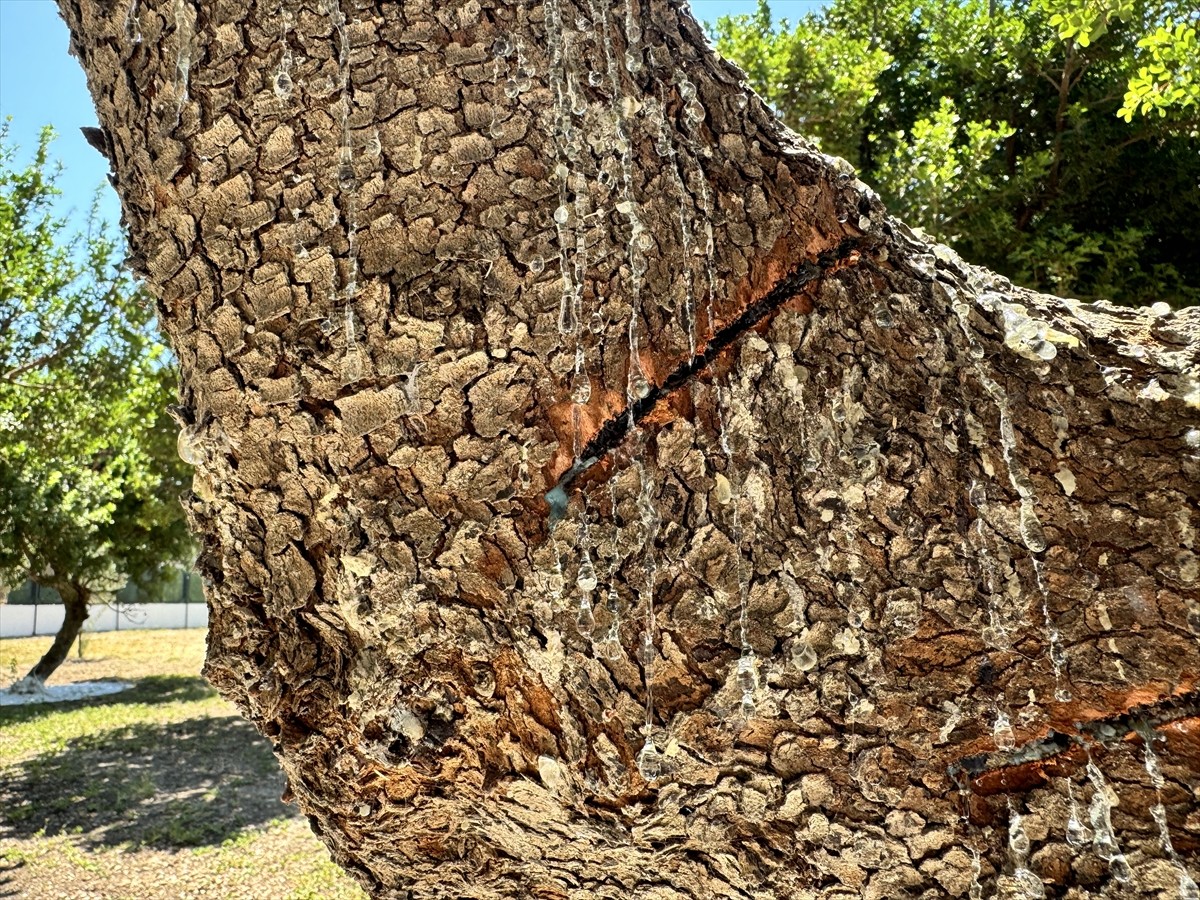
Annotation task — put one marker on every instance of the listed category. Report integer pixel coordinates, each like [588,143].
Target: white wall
[18,620]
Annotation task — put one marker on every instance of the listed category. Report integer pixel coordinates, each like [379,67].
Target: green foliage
[937,164]
[1169,78]
[1085,21]
[998,126]
[89,481]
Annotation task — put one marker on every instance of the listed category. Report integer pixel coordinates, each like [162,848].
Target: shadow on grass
[187,784]
[149,690]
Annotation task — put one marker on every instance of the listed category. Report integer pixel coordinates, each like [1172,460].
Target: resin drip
[1030,527]
[1104,838]
[281,83]
[347,183]
[185,36]
[729,494]
[1187,885]
[1028,885]
[668,150]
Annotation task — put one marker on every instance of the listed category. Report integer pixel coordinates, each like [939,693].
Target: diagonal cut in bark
[1056,753]
[613,431]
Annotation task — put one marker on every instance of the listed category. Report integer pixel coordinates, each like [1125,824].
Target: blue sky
[40,84]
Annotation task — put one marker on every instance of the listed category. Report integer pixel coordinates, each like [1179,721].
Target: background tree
[602,496]
[1052,140]
[89,477]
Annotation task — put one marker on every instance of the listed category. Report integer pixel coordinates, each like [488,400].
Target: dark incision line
[613,431]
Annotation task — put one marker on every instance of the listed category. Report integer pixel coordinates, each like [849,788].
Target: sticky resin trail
[613,432]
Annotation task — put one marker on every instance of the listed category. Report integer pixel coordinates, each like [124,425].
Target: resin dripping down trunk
[419,260]
[618,427]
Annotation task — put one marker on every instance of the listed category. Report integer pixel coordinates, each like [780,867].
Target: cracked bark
[376,543]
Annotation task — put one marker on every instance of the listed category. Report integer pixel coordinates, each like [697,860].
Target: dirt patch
[158,792]
[186,784]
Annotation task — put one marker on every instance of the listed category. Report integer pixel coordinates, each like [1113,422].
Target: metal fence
[28,620]
[176,586]
[176,601]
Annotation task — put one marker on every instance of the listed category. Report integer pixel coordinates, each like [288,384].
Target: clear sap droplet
[1062,695]
[1002,732]
[1031,527]
[977,495]
[537,265]
[562,215]
[633,61]
[1119,866]
[747,705]
[804,657]
[568,322]
[585,620]
[648,762]
[502,47]
[595,79]
[1078,834]
[1018,840]
[374,147]
[511,88]
[646,652]
[864,223]
[609,646]
[1058,654]
[843,168]
[1029,886]
[639,387]
[581,388]
[883,316]
[352,367]
[612,601]
[189,447]
[1187,887]
[1044,350]
[586,580]
[746,679]
[722,490]
[283,84]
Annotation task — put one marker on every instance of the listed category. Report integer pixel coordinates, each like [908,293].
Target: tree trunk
[75,599]
[920,544]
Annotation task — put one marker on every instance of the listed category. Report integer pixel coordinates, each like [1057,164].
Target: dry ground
[160,791]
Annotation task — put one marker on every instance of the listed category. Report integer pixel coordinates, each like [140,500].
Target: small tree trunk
[75,599]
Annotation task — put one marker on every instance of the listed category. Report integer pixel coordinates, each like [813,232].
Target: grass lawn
[159,791]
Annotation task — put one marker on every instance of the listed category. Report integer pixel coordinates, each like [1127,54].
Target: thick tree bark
[75,599]
[947,503]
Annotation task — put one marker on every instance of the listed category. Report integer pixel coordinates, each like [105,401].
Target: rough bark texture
[382,576]
[75,600]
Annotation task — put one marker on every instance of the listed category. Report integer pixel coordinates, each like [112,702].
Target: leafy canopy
[89,481]
[1055,141]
